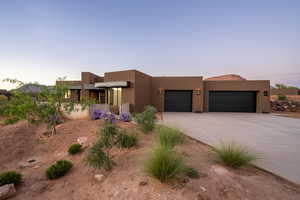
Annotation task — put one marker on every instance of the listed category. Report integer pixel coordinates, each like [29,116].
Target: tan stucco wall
[160,84]
[142,91]
[262,103]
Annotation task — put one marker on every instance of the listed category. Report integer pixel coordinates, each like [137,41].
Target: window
[114,96]
[68,94]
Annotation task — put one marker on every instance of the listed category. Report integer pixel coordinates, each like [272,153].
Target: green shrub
[59,169]
[169,136]
[11,121]
[234,155]
[282,97]
[191,172]
[126,140]
[97,158]
[74,148]
[164,164]
[10,177]
[146,119]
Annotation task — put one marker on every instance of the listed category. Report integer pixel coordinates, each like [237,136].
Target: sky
[41,40]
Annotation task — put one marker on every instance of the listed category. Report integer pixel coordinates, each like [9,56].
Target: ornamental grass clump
[99,154]
[59,169]
[74,149]
[146,119]
[165,164]
[169,136]
[234,155]
[98,158]
[126,140]
[10,177]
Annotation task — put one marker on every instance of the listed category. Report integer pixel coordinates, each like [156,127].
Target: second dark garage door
[178,101]
[232,101]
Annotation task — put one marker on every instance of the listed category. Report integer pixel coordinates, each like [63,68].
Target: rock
[28,163]
[82,140]
[143,183]
[99,177]
[219,170]
[203,188]
[7,191]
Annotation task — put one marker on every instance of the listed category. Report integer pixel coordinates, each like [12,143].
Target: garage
[178,101]
[232,101]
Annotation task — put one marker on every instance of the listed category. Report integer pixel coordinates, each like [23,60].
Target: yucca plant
[169,136]
[234,155]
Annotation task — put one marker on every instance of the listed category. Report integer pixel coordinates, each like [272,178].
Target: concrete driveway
[276,139]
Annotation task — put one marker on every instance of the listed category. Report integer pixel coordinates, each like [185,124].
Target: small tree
[46,106]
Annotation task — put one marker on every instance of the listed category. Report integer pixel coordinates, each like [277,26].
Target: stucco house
[172,94]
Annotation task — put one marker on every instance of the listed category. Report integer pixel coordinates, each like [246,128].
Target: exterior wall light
[198,91]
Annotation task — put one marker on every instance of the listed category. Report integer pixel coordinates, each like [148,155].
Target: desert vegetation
[59,169]
[146,119]
[168,136]
[110,135]
[44,107]
[119,161]
[10,177]
[234,155]
[75,148]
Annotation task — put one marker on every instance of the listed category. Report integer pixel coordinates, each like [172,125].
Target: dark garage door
[234,101]
[178,101]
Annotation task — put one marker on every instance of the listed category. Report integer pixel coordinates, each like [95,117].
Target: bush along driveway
[275,139]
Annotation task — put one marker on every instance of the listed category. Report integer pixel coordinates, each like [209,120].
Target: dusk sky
[41,40]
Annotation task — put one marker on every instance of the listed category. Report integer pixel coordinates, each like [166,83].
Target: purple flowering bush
[110,118]
[98,114]
[125,117]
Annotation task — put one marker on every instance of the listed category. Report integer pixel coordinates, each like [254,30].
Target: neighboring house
[229,77]
[172,94]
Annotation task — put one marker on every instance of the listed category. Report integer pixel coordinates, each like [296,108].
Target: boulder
[7,191]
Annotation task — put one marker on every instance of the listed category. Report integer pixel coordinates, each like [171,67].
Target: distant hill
[31,88]
[227,77]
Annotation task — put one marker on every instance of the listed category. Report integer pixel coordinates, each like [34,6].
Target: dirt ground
[288,114]
[22,142]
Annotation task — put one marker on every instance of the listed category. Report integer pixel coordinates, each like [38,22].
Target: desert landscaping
[26,150]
